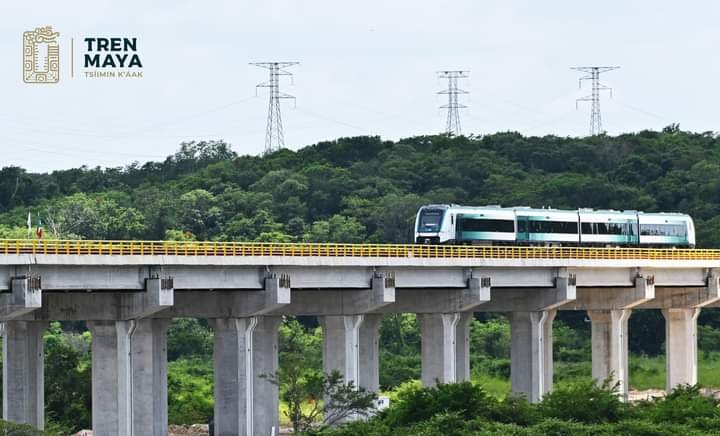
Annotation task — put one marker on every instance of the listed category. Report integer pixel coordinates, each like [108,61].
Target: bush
[494,367]
[515,410]
[420,404]
[398,369]
[685,403]
[557,427]
[190,391]
[646,428]
[189,337]
[373,427]
[584,402]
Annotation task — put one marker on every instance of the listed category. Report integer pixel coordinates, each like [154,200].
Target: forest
[366,189]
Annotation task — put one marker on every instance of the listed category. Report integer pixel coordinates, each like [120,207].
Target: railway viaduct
[128,292]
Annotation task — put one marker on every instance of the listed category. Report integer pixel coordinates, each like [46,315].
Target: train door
[523,232]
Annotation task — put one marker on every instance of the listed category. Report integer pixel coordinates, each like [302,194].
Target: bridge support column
[350,345]
[610,347]
[681,346]
[445,347]
[531,358]
[148,374]
[111,392]
[23,373]
[246,349]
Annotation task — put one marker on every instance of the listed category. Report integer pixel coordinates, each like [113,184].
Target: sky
[366,68]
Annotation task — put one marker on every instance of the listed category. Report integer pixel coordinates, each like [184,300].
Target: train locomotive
[496,225]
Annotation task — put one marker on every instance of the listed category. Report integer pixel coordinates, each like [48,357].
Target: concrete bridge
[129,291]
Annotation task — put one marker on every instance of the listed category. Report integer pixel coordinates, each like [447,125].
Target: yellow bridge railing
[173,248]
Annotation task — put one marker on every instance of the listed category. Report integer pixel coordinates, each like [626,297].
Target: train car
[666,230]
[431,227]
[453,224]
[491,225]
[608,228]
[495,225]
[547,226]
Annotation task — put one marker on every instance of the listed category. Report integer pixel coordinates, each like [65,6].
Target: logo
[41,56]
[104,57]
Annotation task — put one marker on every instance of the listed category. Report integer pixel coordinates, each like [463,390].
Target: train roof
[582,211]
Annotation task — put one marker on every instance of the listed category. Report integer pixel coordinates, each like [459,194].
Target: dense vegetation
[365,190]
[576,409]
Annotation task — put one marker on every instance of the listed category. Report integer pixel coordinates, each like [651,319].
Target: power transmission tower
[593,74]
[453,106]
[274,137]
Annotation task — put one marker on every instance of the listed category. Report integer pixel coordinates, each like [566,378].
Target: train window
[430,221]
[679,230]
[486,225]
[608,228]
[552,227]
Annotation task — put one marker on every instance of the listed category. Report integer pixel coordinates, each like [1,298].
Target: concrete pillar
[531,353]
[111,392]
[266,410]
[148,375]
[681,346]
[445,347]
[350,345]
[370,353]
[245,351]
[23,373]
[610,347]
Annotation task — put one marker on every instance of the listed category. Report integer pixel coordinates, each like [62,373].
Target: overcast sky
[367,68]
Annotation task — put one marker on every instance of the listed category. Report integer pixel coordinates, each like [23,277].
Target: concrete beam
[616,298]
[25,296]
[382,291]
[689,297]
[23,373]
[246,352]
[276,294]
[681,346]
[531,353]
[535,299]
[445,347]
[159,295]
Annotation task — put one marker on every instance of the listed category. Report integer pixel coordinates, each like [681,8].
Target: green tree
[337,229]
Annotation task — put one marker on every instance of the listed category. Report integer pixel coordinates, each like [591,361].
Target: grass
[645,373]
[496,386]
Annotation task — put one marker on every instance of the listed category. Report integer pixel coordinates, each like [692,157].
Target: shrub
[685,403]
[557,427]
[515,410]
[495,367]
[583,401]
[420,404]
[646,428]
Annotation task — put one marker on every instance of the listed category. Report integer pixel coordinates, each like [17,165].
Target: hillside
[366,189]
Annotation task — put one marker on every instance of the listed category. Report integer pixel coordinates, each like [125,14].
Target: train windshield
[430,220]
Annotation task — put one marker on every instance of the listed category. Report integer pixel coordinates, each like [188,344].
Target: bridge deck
[254,249]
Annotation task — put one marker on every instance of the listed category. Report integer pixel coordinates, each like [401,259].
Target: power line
[593,74]
[453,106]
[274,137]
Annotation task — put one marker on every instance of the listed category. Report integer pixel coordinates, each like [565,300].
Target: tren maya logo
[98,57]
[41,56]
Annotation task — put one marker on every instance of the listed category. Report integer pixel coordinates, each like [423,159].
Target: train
[497,225]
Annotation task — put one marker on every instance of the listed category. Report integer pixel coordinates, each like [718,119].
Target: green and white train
[495,225]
